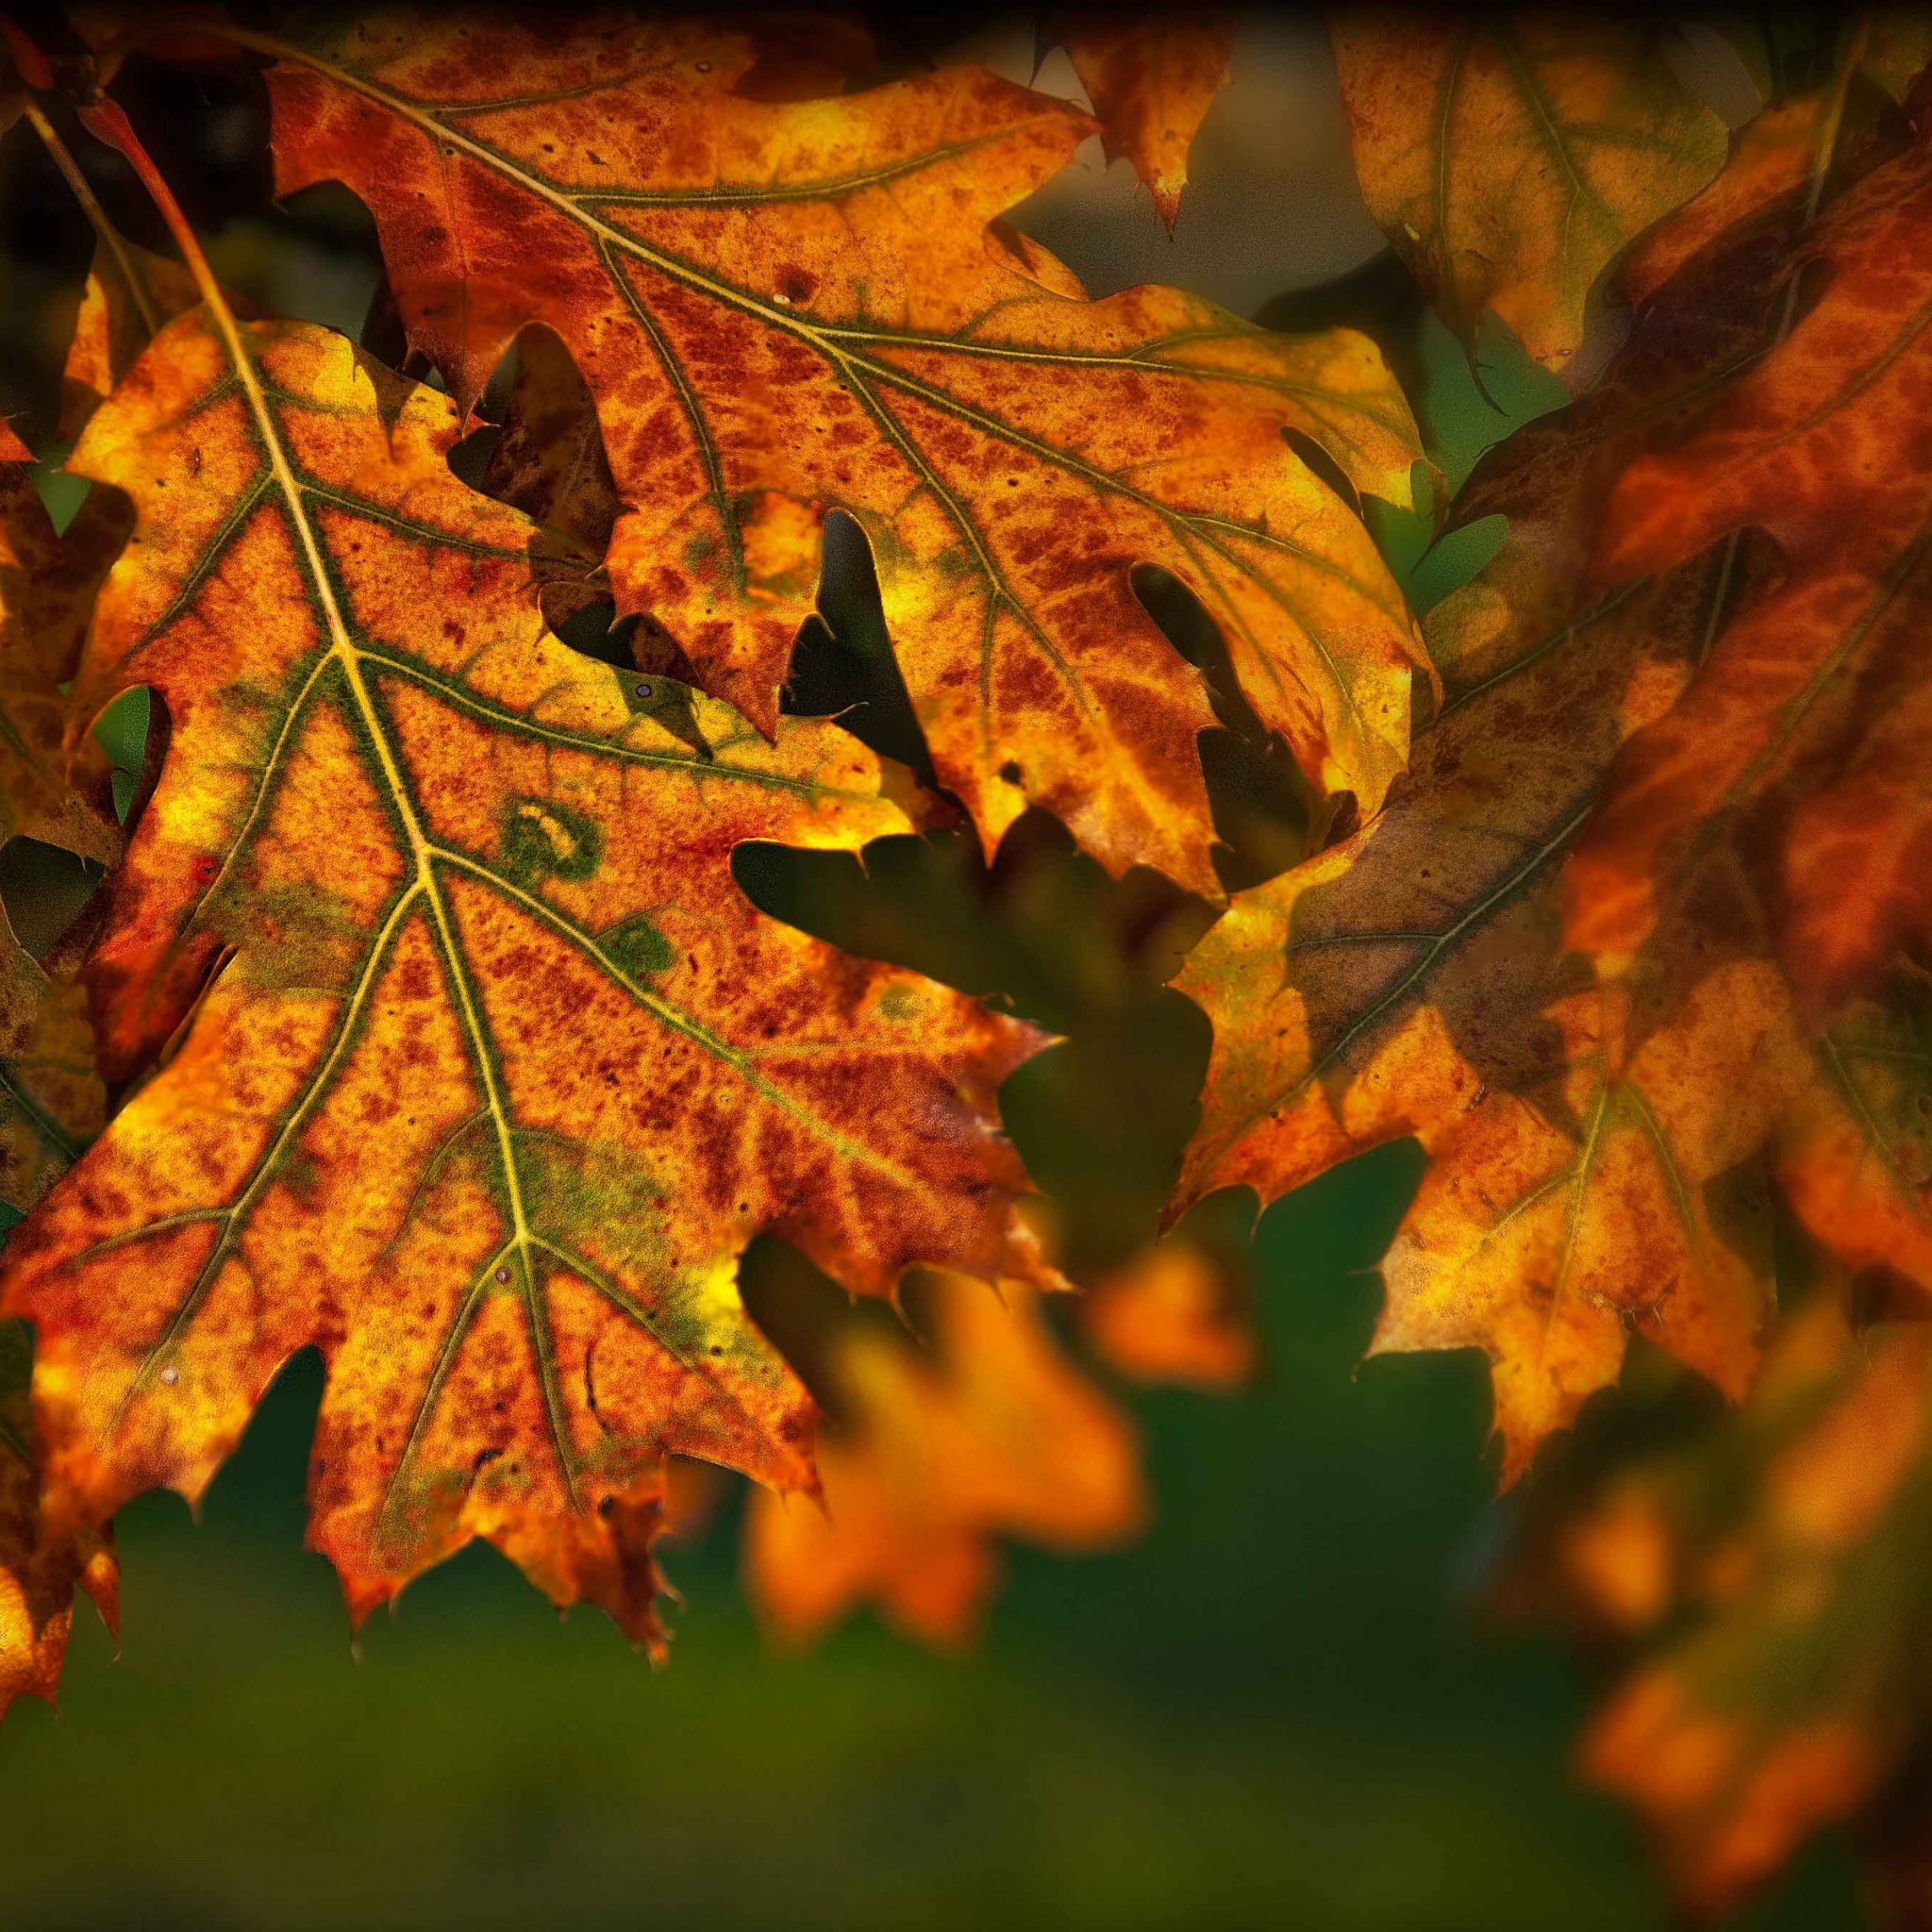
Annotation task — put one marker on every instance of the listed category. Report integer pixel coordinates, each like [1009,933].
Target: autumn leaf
[1170,1315]
[1550,1226]
[52,1101]
[783,308]
[1774,1579]
[38,1569]
[1800,749]
[51,1098]
[1601,1160]
[131,294]
[1512,162]
[1783,150]
[1152,79]
[549,461]
[1897,47]
[994,1435]
[482,1071]
[46,589]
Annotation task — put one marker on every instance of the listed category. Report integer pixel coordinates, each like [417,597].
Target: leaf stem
[106,123]
[110,237]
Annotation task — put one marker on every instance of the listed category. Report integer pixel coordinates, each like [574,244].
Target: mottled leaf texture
[1152,79]
[47,585]
[995,1435]
[474,1068]
[1803,745]
[1774,1582]
[1511,162]
[786,309]
[1601,1159]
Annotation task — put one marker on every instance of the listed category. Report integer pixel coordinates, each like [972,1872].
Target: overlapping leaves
[1601,1151]
[785,308]
[1801,749]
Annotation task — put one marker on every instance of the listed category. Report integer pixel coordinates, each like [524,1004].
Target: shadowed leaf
[1802,745]
[1601,1160]
[1771,1577]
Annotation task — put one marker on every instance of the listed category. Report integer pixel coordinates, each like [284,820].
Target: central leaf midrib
[345,651]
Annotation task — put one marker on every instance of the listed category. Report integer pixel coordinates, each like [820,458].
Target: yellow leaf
[1511,162]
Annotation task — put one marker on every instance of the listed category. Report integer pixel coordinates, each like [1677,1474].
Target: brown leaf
[1598,1161]
[999,1437]
[38,1570]
[782,309]
[1789,1685]
[51,1099]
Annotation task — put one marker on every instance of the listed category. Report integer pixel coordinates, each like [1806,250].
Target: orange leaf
[38,1570]
[1152,79]
[1169,1316]
[1789,1688]
[781,309]
[1802,745]
[130,295]
[1413,979]
[1547,1245]
[999,1437]
[485,1072]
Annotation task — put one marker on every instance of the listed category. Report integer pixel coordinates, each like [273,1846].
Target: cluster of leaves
[422,1019]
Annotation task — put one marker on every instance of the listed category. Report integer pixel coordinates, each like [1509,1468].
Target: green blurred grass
[1275,1710]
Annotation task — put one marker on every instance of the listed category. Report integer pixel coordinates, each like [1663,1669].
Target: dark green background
[1277,1710]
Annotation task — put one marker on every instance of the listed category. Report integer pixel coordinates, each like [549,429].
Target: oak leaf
[786,309]
[1601,1156]
[1801,747]
[998,1435]
[38,1568]
[1512,162]
[473,1067]
[51,1098]
[1152,79]
[132,294]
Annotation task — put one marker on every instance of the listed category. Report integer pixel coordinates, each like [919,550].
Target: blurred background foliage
[1287,1704]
